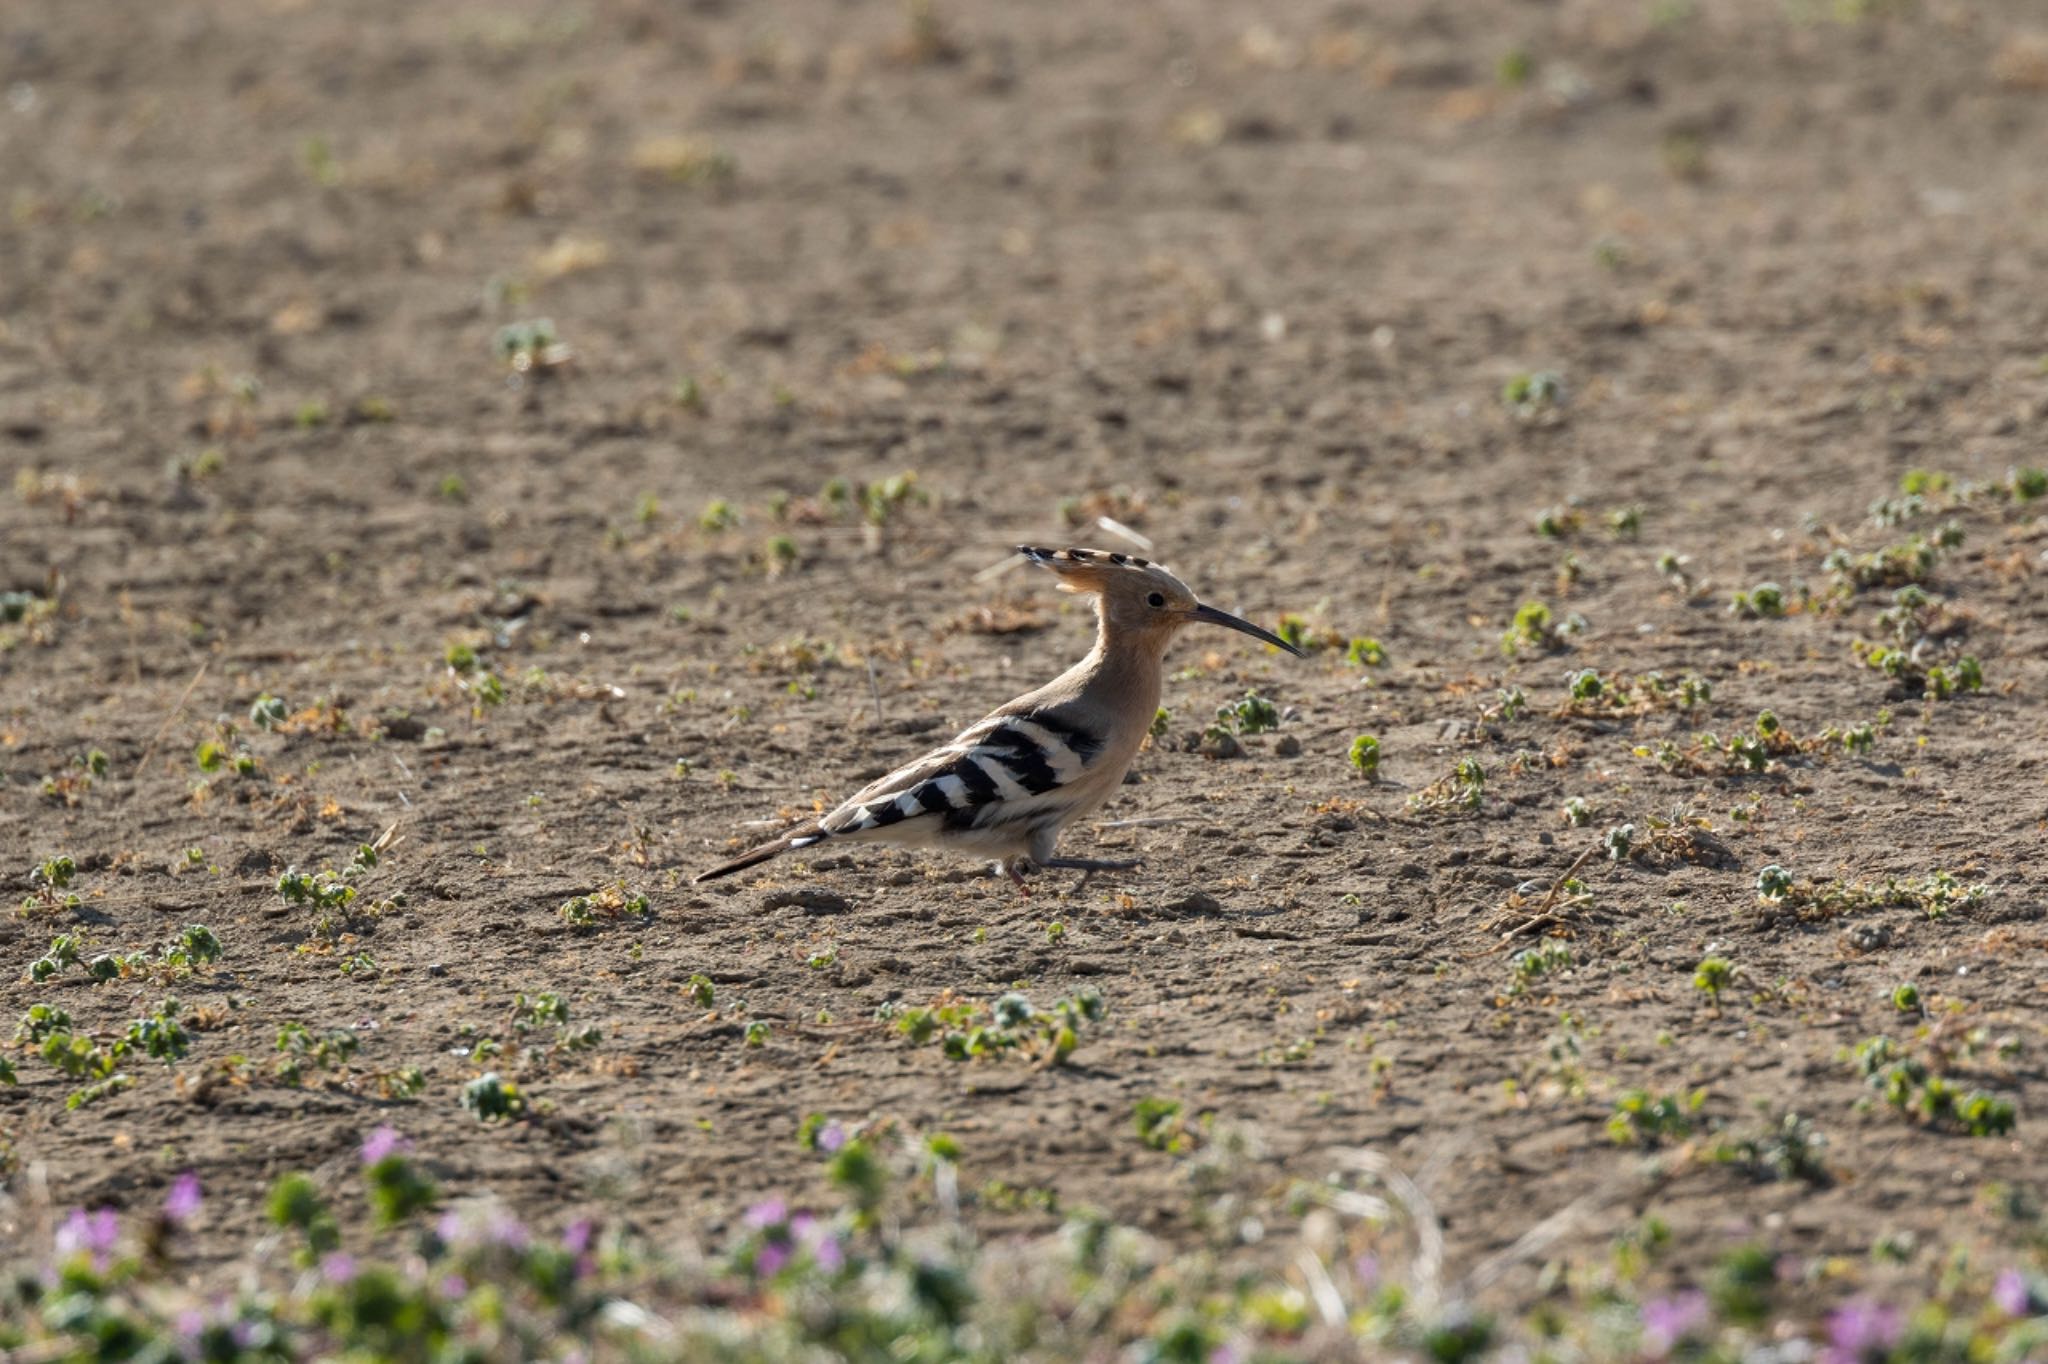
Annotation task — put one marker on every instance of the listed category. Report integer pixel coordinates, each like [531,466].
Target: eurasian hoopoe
[1007,786]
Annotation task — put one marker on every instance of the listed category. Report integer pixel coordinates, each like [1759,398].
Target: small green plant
[1364,652]
[323,890]
[41,1021]
[1557,523]
[1618,842]
[1714,975]
[1528,395]
[1462,788]
[1577,813]
[880,501]
[1641,1118]
[1535,628]
[79,1057]
[701,991]
[1365,757]
[1790,1148]
[1545,959]
[1912,1088]
[159,1035]
[63,953]
[301,1053]
[295,1204]
[718,515]
[1161,1125]
[1764,601]
[1773,883]
[492,1098]
[1936,895]
[604,904]
[1252,714]
[530,348]
[50,887]
[398,1191]
[1011,1025]
[1912,560]
[780,554]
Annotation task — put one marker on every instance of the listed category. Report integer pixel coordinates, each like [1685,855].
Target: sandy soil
[1251,284]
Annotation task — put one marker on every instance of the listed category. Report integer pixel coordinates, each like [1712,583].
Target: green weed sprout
[1765,601]
[1714,975]
[491,1098]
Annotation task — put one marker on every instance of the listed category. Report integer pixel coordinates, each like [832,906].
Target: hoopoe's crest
[1006,786]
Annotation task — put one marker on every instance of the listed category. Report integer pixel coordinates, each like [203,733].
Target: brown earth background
[1248,279]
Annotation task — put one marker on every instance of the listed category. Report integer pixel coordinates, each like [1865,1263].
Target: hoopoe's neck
[1126,668]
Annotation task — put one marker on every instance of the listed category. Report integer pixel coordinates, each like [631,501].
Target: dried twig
[1547,914]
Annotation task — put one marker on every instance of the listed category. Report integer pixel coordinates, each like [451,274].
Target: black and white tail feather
[988,790]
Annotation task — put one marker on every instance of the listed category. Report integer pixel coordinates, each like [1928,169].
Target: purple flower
[338,1267]
[1860,1331]
[1666,1321]
[382,1142]
[95,1231]
[2010,1294]
[190,1323]
[181,1204]
[576,1237]
[769,1212]
[817,1237]
[454,1286]
[450,1228]
[769,1260]
[831,1137]
[1230,1352]
[508,1231]
[1366,1269]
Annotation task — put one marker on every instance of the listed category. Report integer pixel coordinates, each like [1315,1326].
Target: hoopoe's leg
[1088,866]
[1010,867]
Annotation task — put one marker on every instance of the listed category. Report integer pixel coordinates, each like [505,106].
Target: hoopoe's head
[1138,597]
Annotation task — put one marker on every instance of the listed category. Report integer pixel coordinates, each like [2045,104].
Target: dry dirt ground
[1252,282]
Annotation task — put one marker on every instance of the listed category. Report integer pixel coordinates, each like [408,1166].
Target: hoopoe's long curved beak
[1209,615]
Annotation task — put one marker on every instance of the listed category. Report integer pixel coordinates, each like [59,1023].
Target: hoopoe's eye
[1156,599]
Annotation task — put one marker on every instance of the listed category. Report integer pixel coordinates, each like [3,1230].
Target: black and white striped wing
[1005,768]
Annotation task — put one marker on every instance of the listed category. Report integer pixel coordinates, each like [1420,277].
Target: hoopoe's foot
[1015,872]
[1088,866]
